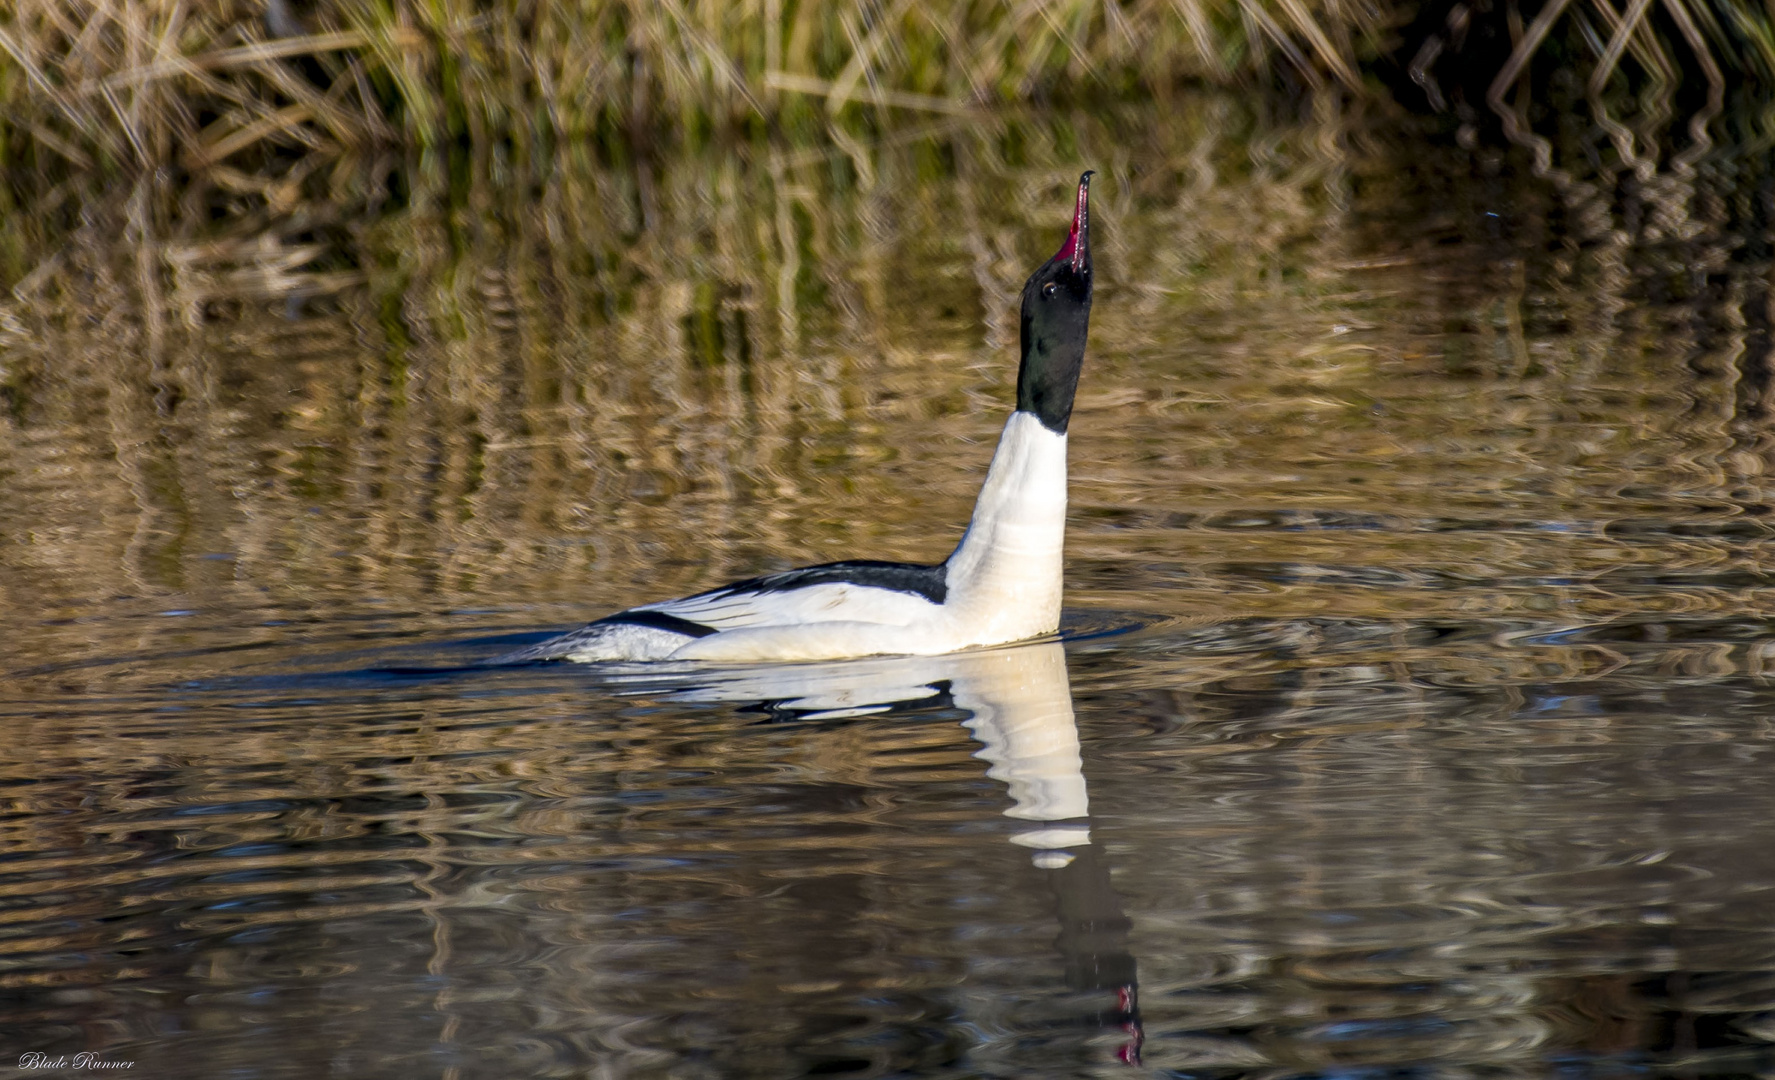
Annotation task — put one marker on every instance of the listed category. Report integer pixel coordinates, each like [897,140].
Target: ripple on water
[1413,695]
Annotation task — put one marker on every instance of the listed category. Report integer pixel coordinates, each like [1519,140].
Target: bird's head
[1056,320]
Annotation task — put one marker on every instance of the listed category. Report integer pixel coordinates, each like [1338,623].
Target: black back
[658,620]
[930,582]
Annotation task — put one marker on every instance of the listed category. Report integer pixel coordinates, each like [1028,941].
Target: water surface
[1412,717]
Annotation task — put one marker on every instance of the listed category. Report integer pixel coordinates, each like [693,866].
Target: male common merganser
[1001,584]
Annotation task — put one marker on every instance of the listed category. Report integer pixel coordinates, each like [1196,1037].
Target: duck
[1001,584]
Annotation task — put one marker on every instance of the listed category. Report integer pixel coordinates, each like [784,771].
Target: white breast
[1004,578]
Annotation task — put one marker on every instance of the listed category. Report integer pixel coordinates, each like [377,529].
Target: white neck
[1004,577]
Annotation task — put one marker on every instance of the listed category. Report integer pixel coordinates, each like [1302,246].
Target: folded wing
[892,594]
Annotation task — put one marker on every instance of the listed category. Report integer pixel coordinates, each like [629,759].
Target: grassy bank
[247,111]
[259,149]
[254,97]
[223,89]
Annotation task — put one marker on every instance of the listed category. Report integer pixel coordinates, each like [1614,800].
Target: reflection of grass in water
[468,393]
[554,402]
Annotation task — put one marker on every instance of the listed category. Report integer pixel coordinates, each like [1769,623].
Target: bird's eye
[1048,289]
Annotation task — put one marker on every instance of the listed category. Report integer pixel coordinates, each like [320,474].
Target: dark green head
[1056,319]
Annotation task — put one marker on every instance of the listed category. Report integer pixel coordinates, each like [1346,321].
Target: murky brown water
[1414,717]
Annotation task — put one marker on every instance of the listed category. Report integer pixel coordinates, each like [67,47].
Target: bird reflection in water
[1019,706]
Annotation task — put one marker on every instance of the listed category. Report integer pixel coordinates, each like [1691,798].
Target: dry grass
[314,114]
[223,92]
[244,140]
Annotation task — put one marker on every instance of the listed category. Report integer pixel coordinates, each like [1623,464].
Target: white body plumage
[1002,584]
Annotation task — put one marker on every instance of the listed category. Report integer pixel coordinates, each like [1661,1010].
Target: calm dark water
[1413,718]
